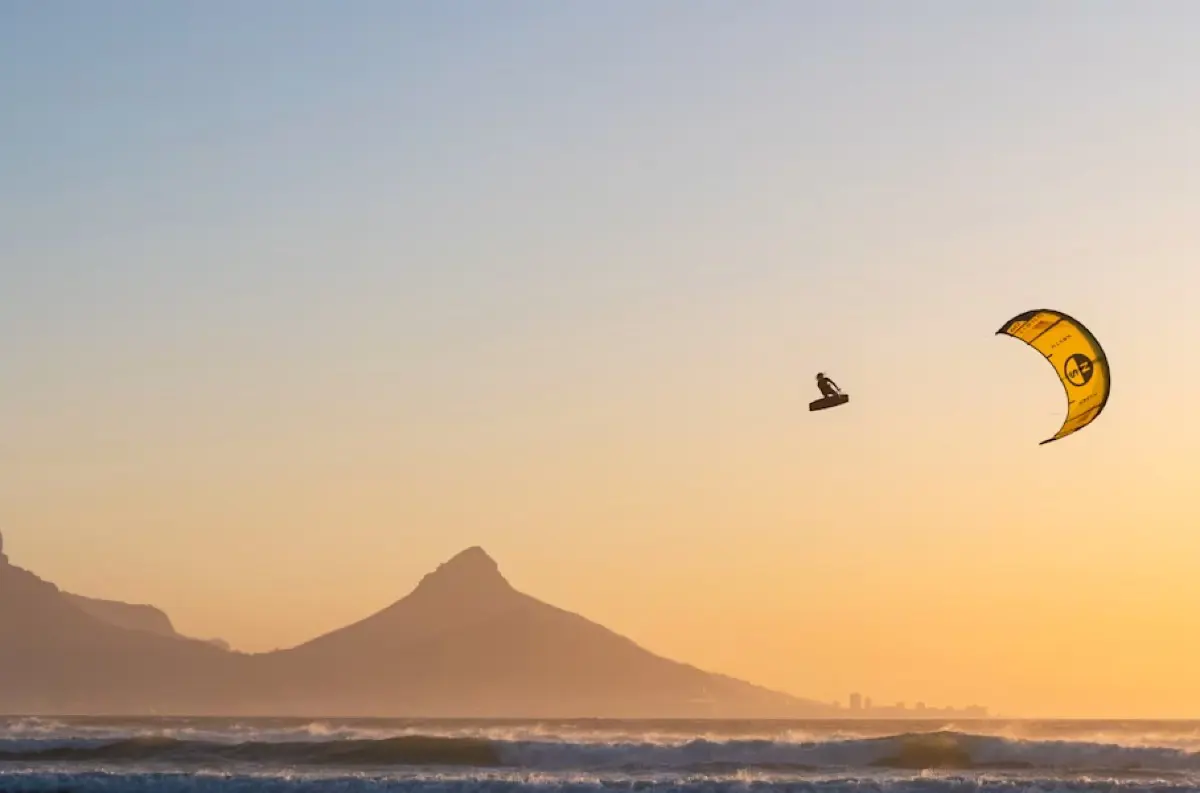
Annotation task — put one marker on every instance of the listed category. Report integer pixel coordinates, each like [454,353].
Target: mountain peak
[469,572]
[3,558]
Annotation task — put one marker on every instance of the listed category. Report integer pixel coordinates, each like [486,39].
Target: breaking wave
[943,750]
[188,783]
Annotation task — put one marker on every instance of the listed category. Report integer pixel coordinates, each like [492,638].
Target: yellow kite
[1075,355]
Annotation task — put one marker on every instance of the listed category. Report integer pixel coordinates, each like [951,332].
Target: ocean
[201,755]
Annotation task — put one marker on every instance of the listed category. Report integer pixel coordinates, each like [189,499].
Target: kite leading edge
[1077,358]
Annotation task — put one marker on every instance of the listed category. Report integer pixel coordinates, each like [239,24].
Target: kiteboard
[829,402]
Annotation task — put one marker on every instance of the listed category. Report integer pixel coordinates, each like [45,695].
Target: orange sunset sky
[294,309]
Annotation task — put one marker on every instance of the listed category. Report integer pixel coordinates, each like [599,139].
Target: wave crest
[908,751]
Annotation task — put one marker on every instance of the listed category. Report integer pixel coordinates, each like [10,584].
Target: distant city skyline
[859,703]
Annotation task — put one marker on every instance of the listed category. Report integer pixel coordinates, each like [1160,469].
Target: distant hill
[126,615]
[55,657]
[466,643]
[137,617]
[463,643]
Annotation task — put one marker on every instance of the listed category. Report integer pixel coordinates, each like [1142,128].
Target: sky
[299,299]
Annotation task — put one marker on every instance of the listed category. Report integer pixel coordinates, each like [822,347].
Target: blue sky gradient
[350,286]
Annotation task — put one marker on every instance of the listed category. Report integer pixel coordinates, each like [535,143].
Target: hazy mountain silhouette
[138,617]
[466,643]
[463,643]
[134,616]
[57,658]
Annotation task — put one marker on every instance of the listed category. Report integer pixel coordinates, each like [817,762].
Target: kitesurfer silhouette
[827,386]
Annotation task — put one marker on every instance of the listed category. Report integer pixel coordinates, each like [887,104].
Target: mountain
[463,643]
[126,615]
[466,643]
[55,657]
[138,617]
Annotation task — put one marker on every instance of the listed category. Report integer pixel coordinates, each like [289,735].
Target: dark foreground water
[323,756]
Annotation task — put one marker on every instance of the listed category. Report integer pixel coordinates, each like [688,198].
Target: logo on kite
[1078,370]
[1077,357]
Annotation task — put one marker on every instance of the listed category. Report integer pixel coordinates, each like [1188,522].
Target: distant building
[864,707]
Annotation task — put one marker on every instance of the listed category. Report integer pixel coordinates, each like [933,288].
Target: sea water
[590,756]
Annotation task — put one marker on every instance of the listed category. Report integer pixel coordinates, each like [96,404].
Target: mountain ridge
[464,642]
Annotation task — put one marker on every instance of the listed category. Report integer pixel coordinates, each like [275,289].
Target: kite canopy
[1076,356]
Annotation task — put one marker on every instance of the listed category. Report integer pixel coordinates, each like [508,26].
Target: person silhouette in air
[827,386]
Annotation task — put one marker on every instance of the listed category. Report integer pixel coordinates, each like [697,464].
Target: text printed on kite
[1077,358]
